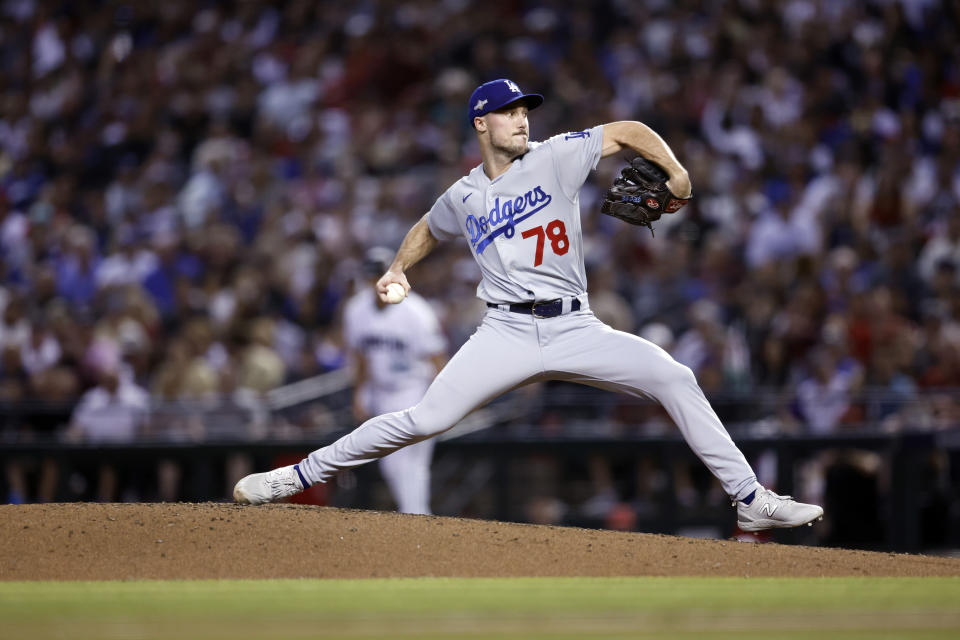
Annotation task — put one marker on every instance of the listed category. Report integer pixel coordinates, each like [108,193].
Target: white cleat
[260,488]
[770,511]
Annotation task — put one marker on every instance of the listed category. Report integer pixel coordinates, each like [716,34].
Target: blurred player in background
[397,350]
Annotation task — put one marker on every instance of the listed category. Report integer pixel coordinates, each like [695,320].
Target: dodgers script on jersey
[523,228]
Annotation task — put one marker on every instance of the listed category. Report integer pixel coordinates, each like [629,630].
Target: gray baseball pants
[511,349]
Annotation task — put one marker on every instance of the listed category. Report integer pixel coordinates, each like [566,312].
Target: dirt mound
[165,541]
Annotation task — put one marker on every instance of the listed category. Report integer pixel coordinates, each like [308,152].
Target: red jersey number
[554,231]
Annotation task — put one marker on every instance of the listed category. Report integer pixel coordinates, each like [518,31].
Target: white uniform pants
[407,473]
[511,349]
[407,470]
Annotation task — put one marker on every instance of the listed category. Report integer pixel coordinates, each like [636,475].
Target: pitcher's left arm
[629,134]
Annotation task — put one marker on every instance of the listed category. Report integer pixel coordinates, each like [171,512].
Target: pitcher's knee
[428,423]
[679,374]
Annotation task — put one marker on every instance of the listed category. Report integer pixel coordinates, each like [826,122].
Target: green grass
[442,609]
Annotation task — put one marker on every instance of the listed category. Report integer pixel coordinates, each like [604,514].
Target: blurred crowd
[186,188]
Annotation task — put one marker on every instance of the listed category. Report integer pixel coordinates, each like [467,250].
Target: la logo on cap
[495,94]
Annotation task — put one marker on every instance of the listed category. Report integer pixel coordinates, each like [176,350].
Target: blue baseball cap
[496,94]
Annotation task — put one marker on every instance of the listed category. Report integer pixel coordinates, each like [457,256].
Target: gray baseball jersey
[523,227]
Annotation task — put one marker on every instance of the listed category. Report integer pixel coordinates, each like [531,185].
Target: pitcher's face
[509,129]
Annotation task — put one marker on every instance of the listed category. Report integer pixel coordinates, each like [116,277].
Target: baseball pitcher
[519,212]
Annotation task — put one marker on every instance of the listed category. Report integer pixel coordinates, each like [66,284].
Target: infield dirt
[212,540]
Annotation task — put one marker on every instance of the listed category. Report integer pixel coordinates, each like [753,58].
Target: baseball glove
[640,195]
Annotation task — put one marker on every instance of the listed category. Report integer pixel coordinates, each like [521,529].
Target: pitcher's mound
[192,541]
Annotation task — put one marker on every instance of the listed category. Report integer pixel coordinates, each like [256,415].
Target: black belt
[548,309]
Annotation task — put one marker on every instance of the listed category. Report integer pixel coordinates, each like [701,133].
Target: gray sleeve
[442,219]
[575,155]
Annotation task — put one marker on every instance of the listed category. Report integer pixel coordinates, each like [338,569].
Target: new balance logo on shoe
[769,509]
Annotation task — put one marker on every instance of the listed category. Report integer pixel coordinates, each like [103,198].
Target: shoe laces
[772,494]
[778,496]
[281,482]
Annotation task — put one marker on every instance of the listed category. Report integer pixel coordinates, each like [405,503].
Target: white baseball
[395,293]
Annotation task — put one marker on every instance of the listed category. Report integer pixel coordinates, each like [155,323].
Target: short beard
[510,149]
